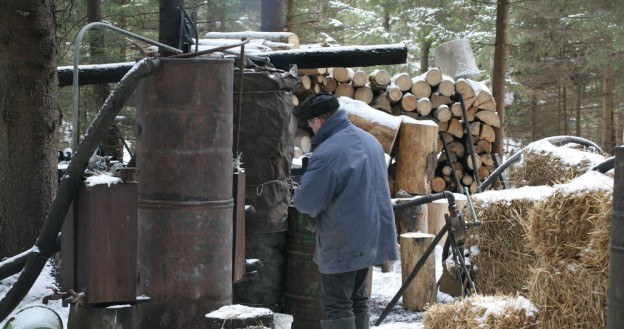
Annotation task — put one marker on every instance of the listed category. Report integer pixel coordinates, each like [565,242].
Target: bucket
[455,59]
[34,317]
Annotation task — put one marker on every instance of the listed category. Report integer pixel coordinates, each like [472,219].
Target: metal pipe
[450,161]
[473,156]
[604,166]
[76,90]
[424,200]
[615,301]
[44,247]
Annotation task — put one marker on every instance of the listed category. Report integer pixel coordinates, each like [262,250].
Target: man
[346,189]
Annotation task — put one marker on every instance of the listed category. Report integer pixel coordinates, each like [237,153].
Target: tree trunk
[564,109]
[290,15]
[607,110]
[271,16]
[534,125]
[123,24]
[422,290]
[29,120]
[498,74]
[425,47]
[579,102]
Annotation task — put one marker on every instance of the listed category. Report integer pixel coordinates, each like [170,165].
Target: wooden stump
[83,315]
[416,156]
[414,219]
[422,290]
[436,211]
[240,317]
[384,127]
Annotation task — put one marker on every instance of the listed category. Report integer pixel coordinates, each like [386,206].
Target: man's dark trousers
[344,295]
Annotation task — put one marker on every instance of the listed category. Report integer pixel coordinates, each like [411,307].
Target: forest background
[563,68]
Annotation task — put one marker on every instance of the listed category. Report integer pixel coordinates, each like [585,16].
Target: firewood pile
[429,96]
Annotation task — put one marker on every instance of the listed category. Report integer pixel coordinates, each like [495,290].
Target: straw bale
[495,312]
[559,227]
[596,254]
[539,168]
[569,295]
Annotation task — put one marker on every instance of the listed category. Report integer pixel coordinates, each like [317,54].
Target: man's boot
[362,320]
[347,323]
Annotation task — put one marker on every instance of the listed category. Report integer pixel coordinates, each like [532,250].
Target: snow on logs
[428,96]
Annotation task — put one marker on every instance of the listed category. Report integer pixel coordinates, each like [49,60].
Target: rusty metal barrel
[184,157]
[302,297]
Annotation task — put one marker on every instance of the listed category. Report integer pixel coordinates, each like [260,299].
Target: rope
[286,182]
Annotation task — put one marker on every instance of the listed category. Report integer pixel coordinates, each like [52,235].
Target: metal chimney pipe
[615,303]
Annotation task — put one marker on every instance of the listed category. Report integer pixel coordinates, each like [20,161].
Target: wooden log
[330,84]
[383,126]
[343,74]
[470,112]
[364,94]
[423,107]
[313,71]
[420,87]
[317,78]
[455,128]
[403,81]
[447,170]
[486,159]
[394,93]
[487,133]
[382,103]
[438,184]
[457,148]
[416,156]
[436,211]
[379,79]
[413,219]
[446,86]
[475,128]
[239,316]
[463,87]
[295,100]
[408,102]
[485,145]
[284,37]
[344,89]
[456,110]
[423,290]
[466,180]
[484,172]
[442,113]
[489,117]
[433,76]
[303,82]
[343,56]
[467,162]
[359,79]
[443,126]
[437,100]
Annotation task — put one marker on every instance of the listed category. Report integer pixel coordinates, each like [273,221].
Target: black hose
[518,155]
[44,247]
[424,200]
[605,166]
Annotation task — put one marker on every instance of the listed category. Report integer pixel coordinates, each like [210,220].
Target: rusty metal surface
[615,303]
[238,252]
[184,157]
[99,243]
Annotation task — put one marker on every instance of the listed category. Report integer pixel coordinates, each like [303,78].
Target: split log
[330,84]
[470,112]
[416,156]
[467,161]
[489,117]
[443,126]
[485,145]
[403,81]
[487,133]
[446,86]
[284,37]
[359,79]
[384,127]
[475,128]
[344,89]
[457,148]
[343,74]
[382,103]
[437,100]
[423,290]
[408,102]
[442,113]
[420,87]
[379,79]
[484,172]
[486,159]
[364,94]
[455,128]
[424,106]
[463,87]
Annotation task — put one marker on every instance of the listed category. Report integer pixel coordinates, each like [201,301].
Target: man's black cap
[316,105]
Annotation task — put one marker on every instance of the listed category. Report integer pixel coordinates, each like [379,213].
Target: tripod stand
[457,230]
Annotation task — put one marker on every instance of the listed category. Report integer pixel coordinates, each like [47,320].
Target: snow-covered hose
[13,265]
[518,155]
[604,166]
[70,182]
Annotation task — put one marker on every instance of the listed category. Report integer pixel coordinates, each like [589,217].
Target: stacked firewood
[429,96]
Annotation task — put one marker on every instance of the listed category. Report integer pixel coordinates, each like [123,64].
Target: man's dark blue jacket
[346,189]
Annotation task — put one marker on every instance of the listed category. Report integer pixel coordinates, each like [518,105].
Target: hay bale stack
[559,227]
[546,164]
[503,260]
[494,312]
[569,296]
